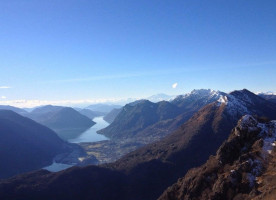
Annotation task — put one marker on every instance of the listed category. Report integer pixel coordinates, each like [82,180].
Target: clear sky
[105,49]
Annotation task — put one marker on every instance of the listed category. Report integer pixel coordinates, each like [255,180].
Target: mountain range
[148,171]
[270,96]
[133,115]
[91,114]
[160,97]
[105,108]
[14,109]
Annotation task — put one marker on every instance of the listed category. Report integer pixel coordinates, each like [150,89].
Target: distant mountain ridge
[105,108]
[266,93]
[270,96]
[160,97]
[91,114]
[181,109]
[66,121]
[15,109]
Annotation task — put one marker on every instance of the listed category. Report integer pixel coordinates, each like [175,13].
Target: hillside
[180,109]
[27,145]
[65,121]
[188,105]
[239,170]
[110,117]
[134,117]
[106,108]
[91,114]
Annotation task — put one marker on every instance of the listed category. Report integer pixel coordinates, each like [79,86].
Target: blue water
[55,167]
[89,135]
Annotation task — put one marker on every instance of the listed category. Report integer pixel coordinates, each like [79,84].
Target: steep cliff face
[239,169]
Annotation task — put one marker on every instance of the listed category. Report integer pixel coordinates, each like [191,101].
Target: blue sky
[73,50]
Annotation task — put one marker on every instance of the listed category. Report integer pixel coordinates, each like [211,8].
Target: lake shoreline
[89,136]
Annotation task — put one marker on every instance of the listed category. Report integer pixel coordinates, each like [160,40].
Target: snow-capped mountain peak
[240,102]
[201,93]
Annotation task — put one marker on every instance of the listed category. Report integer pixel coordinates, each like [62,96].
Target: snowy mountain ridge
[207,94]
[241,102]
[234,105]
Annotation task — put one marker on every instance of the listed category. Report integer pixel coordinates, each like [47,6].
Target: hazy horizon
[87,102]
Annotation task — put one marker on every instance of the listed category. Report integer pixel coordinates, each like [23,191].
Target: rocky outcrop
[235,171]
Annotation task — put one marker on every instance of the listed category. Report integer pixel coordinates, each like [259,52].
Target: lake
[89,135]
[55,167]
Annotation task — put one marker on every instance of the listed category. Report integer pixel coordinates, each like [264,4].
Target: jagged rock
[233,172]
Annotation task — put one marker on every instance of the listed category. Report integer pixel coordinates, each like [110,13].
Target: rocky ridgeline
[235,172]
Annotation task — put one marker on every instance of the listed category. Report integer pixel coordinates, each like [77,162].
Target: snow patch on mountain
[248,122]
[269,135]
[268,132]
[223,99]
[236,104]
[207,94]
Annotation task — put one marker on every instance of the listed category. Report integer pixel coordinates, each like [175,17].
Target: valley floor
[109,150]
